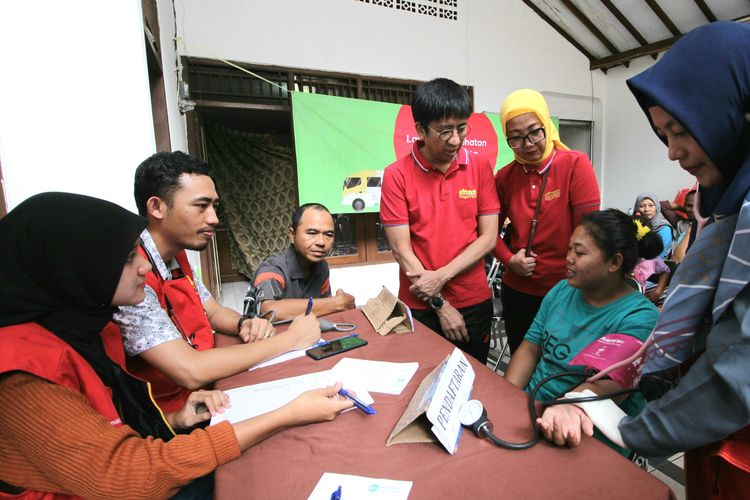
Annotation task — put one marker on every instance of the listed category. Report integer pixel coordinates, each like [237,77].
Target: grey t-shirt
[289,280]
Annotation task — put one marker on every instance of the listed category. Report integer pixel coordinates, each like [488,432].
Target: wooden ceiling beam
[628,55]
[590,26]
[557,28]
[604,63]
[706,11]
[626,23]
[663,17]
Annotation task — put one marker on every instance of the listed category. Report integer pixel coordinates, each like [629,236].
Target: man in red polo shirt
[439,209]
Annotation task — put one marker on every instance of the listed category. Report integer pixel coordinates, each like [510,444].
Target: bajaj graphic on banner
[343,145]
[362,190]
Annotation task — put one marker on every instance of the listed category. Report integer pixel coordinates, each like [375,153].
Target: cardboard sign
[387,314]
[439,398]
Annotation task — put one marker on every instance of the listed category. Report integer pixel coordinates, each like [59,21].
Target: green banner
[343,145]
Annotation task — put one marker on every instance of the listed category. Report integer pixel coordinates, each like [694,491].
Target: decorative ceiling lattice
[443,9]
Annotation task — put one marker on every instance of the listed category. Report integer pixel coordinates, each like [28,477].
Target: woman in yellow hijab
[544,191]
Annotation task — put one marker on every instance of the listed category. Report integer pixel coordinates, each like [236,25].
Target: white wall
[74,98]
[495,46]
[636,160]
[365,282]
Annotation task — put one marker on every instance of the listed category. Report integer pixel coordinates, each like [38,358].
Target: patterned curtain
[255,179]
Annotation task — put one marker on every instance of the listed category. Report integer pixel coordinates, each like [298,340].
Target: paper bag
[387,314]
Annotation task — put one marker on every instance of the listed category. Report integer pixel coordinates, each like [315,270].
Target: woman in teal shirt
[595,300]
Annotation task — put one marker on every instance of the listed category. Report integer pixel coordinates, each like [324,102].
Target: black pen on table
[309,306]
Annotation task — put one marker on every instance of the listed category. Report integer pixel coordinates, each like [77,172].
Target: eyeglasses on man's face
[517,141]
[446,134]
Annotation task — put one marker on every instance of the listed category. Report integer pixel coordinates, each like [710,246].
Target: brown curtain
[254,175]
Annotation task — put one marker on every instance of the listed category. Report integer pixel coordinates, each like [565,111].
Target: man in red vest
[169,336]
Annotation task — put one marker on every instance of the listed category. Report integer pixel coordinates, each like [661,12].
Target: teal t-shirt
[566,324]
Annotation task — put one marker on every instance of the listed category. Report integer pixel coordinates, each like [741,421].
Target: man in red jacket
[169,336]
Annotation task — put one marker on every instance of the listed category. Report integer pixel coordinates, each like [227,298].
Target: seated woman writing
[73,422]
[595,300]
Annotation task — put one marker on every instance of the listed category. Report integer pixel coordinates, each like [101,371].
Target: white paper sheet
[375,376]
[253,400]
[360,488]
[284,357]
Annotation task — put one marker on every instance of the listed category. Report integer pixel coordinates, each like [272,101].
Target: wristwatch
[436,302]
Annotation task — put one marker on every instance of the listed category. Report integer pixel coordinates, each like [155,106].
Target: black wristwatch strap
[436,302]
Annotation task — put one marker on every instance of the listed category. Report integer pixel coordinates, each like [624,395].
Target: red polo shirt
[571,192]
[441,210]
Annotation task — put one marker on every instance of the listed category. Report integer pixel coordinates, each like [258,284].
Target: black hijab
[61,257]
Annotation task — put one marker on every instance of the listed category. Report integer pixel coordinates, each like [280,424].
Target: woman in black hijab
[72,419]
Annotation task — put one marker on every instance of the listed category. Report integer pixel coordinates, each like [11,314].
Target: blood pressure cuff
[608,350]
[269,289]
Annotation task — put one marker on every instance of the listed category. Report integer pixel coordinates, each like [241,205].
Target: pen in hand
[309,306]
[358,403]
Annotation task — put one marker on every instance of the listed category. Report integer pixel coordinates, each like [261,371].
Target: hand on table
[564,424]
[343,300]
[254,329]
[604,414]
[305,331]
[201,405]
[318,405]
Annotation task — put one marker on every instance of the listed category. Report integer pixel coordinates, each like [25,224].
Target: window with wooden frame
[360,238]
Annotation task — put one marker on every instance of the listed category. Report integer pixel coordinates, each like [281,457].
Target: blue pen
[309,306]
[359,404]
[336,495]
[326,342]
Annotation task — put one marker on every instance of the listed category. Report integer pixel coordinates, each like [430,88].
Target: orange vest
[31,348]
[180,299]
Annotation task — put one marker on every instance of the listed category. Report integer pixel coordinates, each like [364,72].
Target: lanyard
[534,219]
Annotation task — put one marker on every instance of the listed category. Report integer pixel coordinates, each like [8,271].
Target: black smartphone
[335,347]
